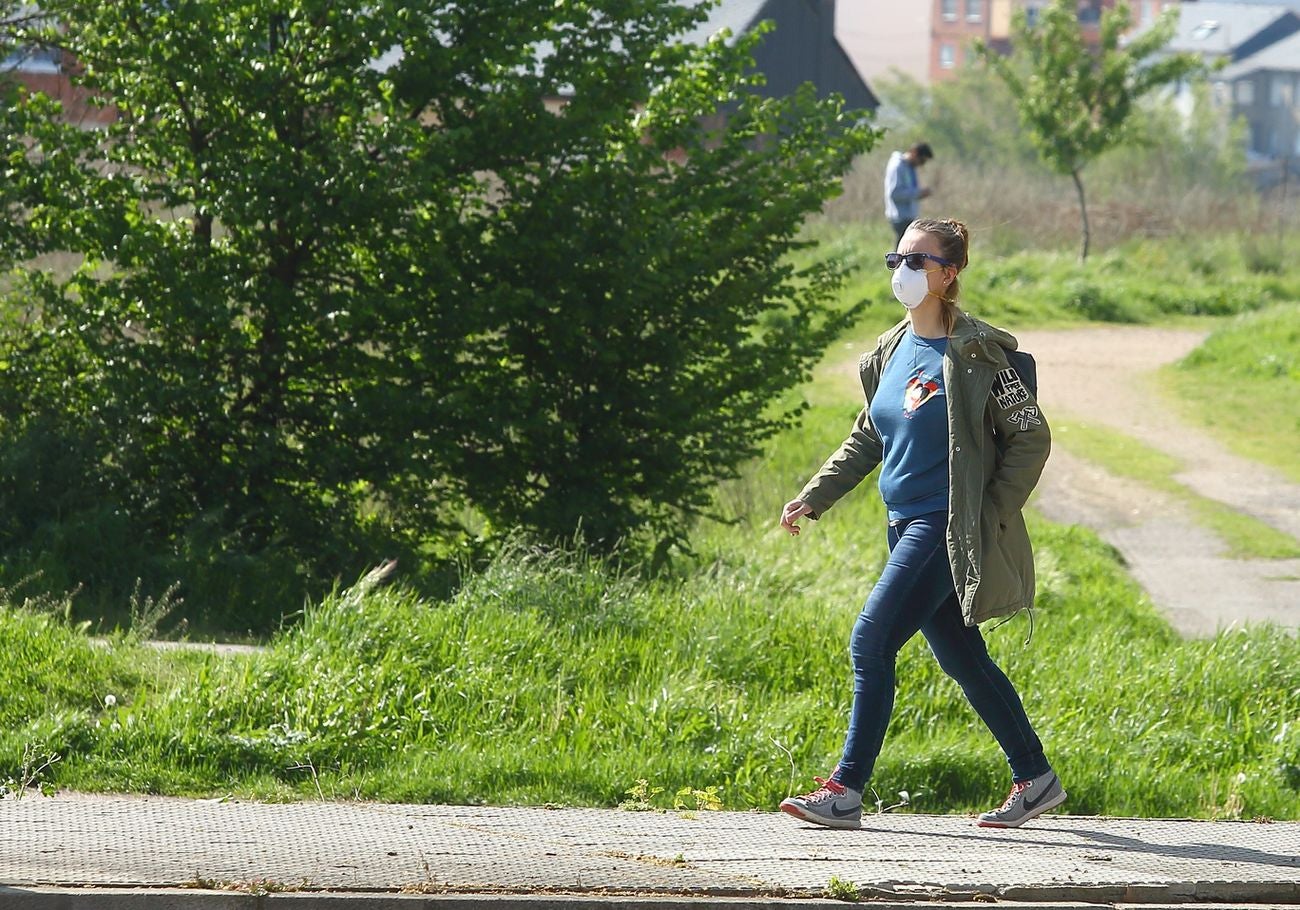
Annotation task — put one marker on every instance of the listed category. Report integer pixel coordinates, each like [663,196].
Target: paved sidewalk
[245,854]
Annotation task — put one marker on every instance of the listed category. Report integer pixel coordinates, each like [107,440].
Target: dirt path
[1182,566]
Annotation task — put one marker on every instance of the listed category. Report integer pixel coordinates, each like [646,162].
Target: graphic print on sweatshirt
[920,389]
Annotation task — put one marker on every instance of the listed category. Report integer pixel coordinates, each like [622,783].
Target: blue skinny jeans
[916,593]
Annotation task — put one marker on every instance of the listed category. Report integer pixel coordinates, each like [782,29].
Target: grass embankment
[1249,369]
[1243,386]
[1244,536]
[1135,282]
[558,679]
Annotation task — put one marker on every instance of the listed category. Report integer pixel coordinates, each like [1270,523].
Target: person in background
[960,443]
[903,190]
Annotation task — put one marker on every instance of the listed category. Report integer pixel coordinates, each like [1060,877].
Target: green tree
[1075,101]
[344,269]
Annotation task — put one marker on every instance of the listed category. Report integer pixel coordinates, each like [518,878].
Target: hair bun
[959,228]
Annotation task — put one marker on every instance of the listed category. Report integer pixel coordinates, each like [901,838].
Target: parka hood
[970,330]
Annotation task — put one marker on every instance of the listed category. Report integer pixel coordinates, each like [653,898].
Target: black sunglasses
[915,261]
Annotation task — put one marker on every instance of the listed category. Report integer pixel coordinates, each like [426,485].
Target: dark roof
[801,48]
[1281,56]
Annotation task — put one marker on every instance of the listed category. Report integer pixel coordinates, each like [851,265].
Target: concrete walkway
[74,851]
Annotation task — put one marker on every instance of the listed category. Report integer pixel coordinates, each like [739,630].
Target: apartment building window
[1279,94]
[1257,137]
[948,9]
[1148,12]
[1245,92]
[974,10]
[947,56]
[1031,16]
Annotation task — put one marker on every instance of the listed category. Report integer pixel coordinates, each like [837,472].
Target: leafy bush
[334,283]
[1091,300]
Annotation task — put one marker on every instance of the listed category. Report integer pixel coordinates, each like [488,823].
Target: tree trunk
[1083,212]
[203,229]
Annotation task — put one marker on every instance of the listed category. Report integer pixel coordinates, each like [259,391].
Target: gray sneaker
[1027,799]
[831,804]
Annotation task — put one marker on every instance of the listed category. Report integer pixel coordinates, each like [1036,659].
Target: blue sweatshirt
[911,415]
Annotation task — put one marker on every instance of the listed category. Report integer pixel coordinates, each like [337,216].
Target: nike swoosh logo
[845,814]
[1032,804]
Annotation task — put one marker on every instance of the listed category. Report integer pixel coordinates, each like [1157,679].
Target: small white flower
[110,700]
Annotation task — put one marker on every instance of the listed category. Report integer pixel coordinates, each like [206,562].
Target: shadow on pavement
[1221,852]
[1224,852]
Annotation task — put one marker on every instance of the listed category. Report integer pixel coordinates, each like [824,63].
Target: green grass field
[1140,281]
[554,678]
[1249,369]
[1244,536]
[559,678]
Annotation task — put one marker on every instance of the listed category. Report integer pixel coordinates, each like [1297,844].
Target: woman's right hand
[793,511]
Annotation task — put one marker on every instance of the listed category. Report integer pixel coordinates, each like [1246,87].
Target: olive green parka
[998,442]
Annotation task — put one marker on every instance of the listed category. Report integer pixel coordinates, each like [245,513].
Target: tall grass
[1243,384]
[555,677]
[1177,175]
[1134,282]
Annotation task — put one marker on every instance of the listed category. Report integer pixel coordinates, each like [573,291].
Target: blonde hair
[954,245]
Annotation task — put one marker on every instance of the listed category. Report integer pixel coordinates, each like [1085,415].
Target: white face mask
[910,286]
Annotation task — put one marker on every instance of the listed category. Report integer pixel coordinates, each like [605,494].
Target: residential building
[803,47]
[1264,89]
[954,26]
[46,71]
[1293,5]
[958,23]
[1145,12]
[1258,44]
[1231,31]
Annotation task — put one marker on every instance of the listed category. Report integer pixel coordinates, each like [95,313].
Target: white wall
[882,35]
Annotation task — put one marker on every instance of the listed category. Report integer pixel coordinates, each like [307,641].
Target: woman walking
[960,443]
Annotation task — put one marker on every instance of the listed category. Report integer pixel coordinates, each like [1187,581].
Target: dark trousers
[900,228]
[915,593]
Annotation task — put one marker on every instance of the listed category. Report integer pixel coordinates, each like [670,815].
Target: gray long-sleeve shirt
[902,189]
